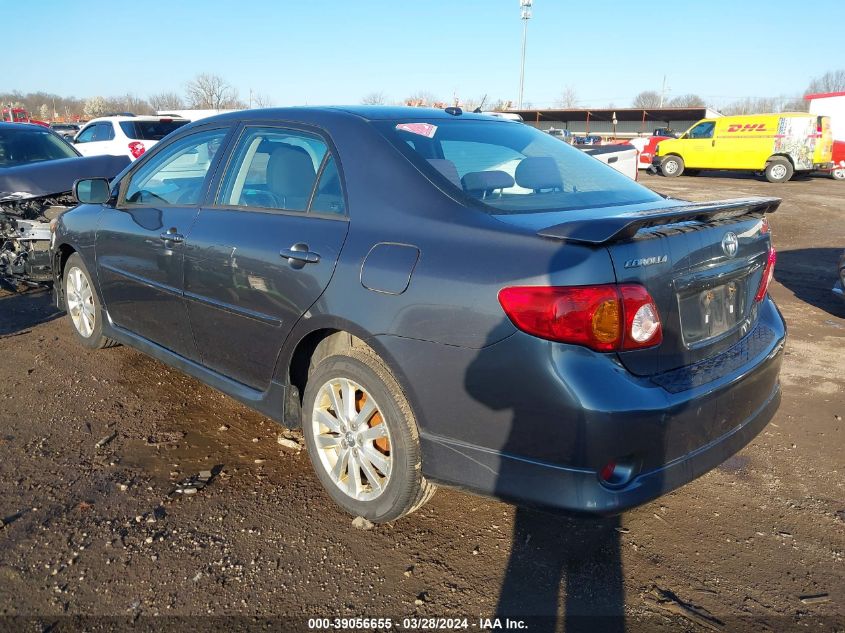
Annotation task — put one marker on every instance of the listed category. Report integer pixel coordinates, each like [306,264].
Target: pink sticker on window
[423,129]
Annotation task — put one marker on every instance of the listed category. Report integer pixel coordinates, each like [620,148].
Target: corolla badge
[646,261]
[730,243]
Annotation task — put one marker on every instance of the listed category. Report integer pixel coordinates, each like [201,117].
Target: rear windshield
[511,167]
[19,147]
[149,130]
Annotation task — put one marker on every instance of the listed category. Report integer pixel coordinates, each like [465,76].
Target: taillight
[768,273]
[764,226]
[605,318]
[136,149]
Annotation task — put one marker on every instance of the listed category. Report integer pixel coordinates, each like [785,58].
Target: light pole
[525,14]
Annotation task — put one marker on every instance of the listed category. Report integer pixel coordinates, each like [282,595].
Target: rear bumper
[537,421]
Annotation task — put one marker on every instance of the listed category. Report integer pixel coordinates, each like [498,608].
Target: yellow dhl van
[777,144]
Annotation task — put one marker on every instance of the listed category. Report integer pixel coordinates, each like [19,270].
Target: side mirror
[92,190]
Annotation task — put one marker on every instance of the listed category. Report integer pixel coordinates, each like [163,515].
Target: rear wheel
[362,437]
[838,174]
[83,305]
[779,170]
[672,166]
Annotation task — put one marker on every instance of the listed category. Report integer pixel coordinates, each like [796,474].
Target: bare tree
[687,101]
[501,105]
[568,98]
[422,99]
[261,100]
[831,81]
[795,104]
[211,92]
[753,105]
[44,112]
[166,101]
[646,99]
[374,98]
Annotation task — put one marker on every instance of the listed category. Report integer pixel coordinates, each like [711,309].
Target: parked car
[66,130]
[37,171]
[124,135]
[839,286]
[646,146]
[779,145]
[623,157]
[837,170]
[437,298]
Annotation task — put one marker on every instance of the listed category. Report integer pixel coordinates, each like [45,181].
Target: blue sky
[336,51]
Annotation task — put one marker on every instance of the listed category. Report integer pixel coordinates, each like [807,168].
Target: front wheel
[779,170]
[362,437]
[672,166]
[83,305]
[838,174]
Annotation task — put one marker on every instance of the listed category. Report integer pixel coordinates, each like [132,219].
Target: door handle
[713,143]
[172,236]
[299,253]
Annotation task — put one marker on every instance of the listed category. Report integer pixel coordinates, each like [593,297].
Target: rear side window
[103,132]
[511,167]
[273,168]
[150,130]
[329,196]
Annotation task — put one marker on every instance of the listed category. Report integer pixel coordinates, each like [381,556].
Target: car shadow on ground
[810,274]
[21,311]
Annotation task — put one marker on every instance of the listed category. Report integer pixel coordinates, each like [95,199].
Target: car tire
[779,170]
[83,306]
[672,166]
[838,173]
[370,466]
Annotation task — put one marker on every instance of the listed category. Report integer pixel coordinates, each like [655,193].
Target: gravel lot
[757,544]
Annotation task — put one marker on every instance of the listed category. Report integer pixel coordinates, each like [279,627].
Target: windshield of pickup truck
[31,145]
[511,167]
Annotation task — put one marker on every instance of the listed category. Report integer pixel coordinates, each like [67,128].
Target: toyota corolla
[437,297]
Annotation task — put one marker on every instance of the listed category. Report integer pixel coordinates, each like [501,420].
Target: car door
[83,141]
[96,139]
[263,251]
[140,242]
[699,146]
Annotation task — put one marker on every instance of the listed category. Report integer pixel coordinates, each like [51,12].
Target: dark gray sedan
[437,297]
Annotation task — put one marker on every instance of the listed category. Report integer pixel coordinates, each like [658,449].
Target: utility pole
[663,91]
[525,15]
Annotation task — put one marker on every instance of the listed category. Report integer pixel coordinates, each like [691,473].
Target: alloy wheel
[352,439]
[80,302]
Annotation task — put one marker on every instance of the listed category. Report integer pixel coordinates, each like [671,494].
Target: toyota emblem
[730,244]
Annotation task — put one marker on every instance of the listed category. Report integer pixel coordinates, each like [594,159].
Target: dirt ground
[756,544]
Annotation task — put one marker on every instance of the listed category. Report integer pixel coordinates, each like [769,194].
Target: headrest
[538,172]
[487,180]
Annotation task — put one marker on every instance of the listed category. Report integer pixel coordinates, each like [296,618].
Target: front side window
[176,174]
[703,130]
[511,167]
[86,135]
[273,169]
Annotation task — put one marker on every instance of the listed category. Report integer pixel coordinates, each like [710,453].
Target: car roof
[7,125]
[140,117]
[370,113]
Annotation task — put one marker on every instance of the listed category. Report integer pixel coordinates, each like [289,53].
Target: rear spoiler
[624,226]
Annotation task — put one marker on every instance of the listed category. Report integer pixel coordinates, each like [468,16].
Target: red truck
[19,115]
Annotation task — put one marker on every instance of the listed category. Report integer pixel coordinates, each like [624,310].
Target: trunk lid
[702,263]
